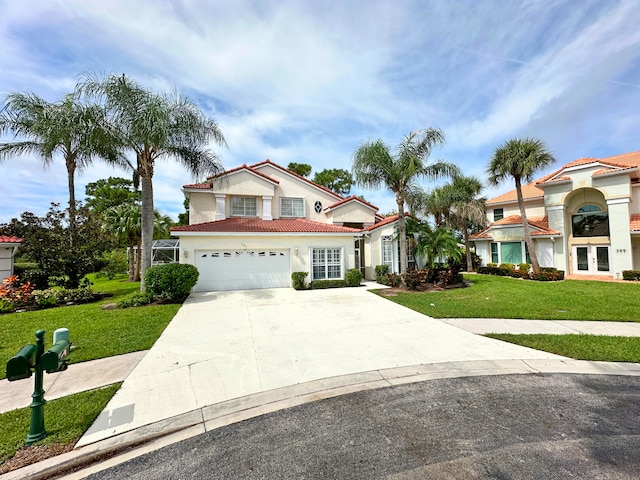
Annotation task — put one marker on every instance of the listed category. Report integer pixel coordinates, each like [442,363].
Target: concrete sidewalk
[85,376]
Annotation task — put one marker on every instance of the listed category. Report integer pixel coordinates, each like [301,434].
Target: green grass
[65,420]
[504,297]
[580,347]
[96,333]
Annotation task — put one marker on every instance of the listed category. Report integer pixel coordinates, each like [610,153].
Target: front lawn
[580,347]
[504,297]
[95,332]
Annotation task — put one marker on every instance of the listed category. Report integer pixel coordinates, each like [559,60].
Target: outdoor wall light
[185,253]
[295,251]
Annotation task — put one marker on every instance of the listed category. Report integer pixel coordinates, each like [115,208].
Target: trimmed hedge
[547,274]
[172,281]
[632,275]
[352,277]
[318,284]
[298,280]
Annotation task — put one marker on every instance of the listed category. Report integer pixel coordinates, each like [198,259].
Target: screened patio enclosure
[165,251]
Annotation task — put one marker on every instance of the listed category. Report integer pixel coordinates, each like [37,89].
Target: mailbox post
[34,357]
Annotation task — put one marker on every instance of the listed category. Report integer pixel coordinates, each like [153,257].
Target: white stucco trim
[556,207]
[618,201]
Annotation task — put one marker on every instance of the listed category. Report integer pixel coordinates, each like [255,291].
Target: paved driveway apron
[225,345]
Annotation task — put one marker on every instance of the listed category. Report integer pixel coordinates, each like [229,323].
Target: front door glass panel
[583,258]
[602,254]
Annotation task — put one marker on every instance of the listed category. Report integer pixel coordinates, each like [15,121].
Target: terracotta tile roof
[199,186]
[350,199]
[564,178]
[386,221]
[634,224]
[304,179]
[540,226]
[530,191]
[604,171]
[256,225]
[8,239]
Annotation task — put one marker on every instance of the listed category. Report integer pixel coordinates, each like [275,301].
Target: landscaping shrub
[74,295]
[172,281]
[381,274]
[546,273]
[352,277]
[393,279]
[45,298]
[318,284]
[524,267]
[414,278]
[298,280]
[631,274]
[138,299]
[113,263]
[15,293]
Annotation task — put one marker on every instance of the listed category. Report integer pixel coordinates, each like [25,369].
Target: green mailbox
[55,359]
[20,365]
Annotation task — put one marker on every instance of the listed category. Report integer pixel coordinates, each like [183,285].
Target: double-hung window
[387,250]
[291,207]
[327,263]
[498,214]
[244,207]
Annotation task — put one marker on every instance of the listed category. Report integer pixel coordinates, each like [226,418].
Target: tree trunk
[402,236]
[467,246]
[72,271]
[137,277]
[132,258]
[147,225]
[525,225]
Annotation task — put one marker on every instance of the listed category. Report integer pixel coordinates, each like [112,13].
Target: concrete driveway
[226,345]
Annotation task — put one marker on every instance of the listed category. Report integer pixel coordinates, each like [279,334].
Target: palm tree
[156,126]
[466,207]
[436,244]
[375,166]
[124,220]
[520,158]
[75,130]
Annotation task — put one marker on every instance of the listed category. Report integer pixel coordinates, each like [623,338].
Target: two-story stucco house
[252,226]
[584,219]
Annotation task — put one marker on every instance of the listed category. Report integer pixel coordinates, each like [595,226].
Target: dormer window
[244,206]
[291,207]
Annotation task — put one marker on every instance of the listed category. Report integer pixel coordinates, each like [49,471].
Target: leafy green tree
[335,179]
[125,222]
[302,169]
[104,194]
[375,166]
[46,242]
[520,159]
[153,127]
[183,218]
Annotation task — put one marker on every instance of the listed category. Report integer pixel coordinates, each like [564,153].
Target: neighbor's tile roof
[386,221]
[256,225]
[10,239]
[540,226]
[350,199]
[634,224]
[531,191]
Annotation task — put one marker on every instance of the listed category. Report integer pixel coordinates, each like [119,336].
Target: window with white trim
[387,250]
[327,263]
[291,207]
[244,206]
[498,214]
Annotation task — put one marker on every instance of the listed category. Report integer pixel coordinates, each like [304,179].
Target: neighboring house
[8,248]
[252,226]
[584,219]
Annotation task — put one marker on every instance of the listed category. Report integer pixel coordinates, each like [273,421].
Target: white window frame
[327,260]
[387,251]
[239,207]
[293,204]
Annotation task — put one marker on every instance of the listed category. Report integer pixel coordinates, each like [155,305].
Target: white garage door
[242,270]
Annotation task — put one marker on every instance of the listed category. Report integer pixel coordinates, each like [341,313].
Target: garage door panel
[235,270]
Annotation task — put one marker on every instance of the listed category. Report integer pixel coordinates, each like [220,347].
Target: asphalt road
[507,427]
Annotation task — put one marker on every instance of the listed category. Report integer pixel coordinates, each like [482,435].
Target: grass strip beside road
[579,347]
[96,333]
[491,296]
[66,419]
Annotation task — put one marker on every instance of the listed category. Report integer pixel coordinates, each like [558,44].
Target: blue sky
[308,81]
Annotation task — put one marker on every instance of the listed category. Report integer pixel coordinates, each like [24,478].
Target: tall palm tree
[466,207]
[75,130]
[520,159]
[374,166]
[156,126]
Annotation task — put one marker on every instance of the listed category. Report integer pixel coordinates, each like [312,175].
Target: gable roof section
[350,199]
[208,185]
[293,174]
[387,221]
[611,165]
[10,239]
[540,226]
[256,225]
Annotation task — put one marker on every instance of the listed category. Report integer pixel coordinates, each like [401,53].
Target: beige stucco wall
[300,262]
[353,212]
[245,184]
[202,207]
[373,249]
[535,208]
[291,186]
